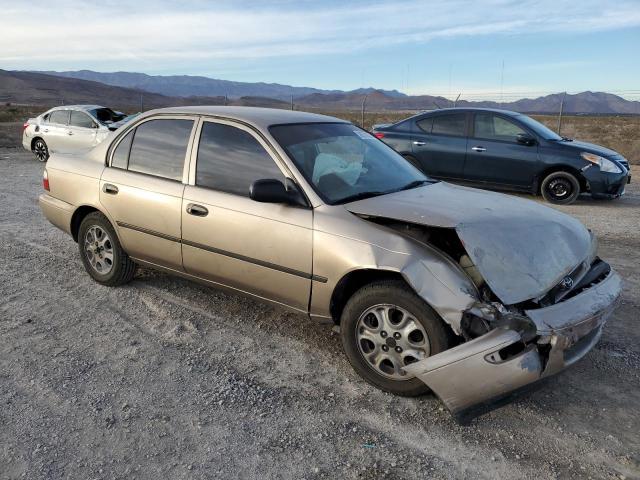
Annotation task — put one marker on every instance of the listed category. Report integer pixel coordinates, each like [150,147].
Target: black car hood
[580,147]
[521,248]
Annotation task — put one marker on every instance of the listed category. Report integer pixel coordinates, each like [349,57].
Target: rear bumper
[57,212]
[472,377]
[26,141]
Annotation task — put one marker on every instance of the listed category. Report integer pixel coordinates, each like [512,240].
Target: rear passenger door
[494,155]
[54,131]
[259,248]
[440,144]
[82,130]
[142,188]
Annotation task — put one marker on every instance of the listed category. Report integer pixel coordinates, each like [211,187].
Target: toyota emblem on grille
[566,283]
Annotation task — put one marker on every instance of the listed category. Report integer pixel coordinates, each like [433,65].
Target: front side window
[80,119]
[494,127]
[59,117]
[231,159]
[453,124]
[345,163]
[159,147]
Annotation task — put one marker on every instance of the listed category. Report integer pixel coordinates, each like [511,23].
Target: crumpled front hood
[521,248]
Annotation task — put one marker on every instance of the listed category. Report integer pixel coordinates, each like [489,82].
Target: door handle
[45,130]
[69,132]
[478,149]
[197,210]
[110,189]
[419,144]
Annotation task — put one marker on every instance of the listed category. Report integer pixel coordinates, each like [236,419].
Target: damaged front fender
[472,377]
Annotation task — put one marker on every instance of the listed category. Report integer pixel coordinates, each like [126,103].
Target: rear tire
[102,255]
[381,318]
[40,150]
[560,188]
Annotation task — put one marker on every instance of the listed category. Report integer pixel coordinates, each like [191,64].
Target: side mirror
[525,139]
[269,190]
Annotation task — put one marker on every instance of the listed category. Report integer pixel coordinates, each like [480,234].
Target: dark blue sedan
[499,149]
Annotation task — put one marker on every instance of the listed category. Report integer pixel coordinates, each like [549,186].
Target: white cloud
[144,35]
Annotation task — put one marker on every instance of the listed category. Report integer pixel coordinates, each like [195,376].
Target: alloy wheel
[99,249]
[389,338]
[40,150]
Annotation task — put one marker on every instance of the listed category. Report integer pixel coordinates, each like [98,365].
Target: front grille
[597,273]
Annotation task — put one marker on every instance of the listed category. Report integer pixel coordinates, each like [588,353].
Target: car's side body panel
[260,248]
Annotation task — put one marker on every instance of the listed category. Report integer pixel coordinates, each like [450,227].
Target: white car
[69,128]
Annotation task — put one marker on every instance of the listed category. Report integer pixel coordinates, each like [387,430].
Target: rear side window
[493,127]
[60,117]
[121,154]
[449,125]
[231,159]
[80,119]
[425,124]
[159,148]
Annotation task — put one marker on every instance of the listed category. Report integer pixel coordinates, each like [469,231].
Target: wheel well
[352,282]
[560,168]
[77,217]
[33,140]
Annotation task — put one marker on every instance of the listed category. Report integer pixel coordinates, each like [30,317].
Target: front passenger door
[260,248]
[440,144]
[494,155]
[82,130]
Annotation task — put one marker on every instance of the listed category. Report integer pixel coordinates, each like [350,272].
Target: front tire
[384,327]
[560,188]
[102,255]
[40,150]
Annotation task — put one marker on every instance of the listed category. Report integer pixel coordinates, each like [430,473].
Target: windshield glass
[539,128]
[105,115]
[345,163]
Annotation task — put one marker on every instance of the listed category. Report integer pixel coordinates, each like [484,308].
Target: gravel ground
[164,378]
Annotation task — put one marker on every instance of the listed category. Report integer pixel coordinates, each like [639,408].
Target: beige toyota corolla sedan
[472,294]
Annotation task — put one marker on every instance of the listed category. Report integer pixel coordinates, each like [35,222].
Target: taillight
[45,180]
[26,124]
[378,135]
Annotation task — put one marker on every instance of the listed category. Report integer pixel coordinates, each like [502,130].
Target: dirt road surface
[164,378]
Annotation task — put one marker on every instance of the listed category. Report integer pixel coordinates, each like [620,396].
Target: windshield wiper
[414,184]
[360,196]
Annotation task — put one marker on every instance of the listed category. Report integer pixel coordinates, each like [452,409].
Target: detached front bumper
[470,378]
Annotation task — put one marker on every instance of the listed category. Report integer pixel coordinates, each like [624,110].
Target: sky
[498,49]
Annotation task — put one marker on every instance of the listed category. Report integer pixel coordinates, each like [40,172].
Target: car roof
[85,108]
[256,116]
[473,109]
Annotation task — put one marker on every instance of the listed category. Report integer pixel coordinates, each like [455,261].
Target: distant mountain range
[188,86]
[136,91]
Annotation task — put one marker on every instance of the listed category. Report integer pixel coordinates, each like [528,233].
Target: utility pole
[502,83]
[560,115]
[292,101]
[364,103]
[141,104]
